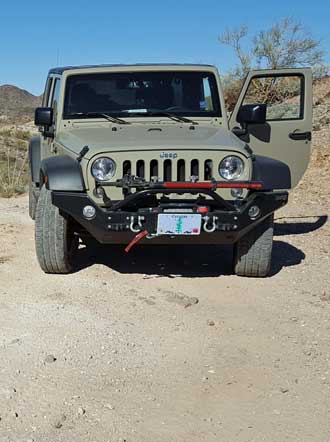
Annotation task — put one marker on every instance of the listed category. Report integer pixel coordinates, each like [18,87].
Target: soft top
[60,70]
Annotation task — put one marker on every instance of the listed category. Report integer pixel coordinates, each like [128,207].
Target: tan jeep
[147,153]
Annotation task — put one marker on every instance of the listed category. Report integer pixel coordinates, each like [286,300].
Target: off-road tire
[56,243]
[253,252]
[33,199]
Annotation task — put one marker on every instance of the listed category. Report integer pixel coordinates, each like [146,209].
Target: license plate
[179,224]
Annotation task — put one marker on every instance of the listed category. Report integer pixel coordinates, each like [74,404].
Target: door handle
[300,136]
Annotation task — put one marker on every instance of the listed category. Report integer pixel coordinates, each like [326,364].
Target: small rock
[149,302]
[181,299]
[284,389]
[210,323]
[81,411]
[109,406]
[15,341]
[59,423]
[50,359]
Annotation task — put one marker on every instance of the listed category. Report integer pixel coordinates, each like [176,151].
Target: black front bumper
[114,226]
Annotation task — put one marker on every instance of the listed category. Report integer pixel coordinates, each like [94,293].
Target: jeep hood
[103,139]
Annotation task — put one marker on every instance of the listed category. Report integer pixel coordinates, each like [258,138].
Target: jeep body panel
[284,139]
[147,137]
[142,143]
[62,172]
[35,158]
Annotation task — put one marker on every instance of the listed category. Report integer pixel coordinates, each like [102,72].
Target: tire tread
[51,232]
[254,250]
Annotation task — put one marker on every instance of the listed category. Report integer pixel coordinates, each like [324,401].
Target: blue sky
[36,34]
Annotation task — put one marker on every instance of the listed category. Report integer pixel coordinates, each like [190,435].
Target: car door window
[283,94]
[56,93]
[48,88]
[55,96]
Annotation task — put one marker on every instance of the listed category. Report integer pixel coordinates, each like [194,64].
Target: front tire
[253,252]
[55,240]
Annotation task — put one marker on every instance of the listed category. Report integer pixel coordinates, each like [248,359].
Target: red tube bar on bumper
[222,185]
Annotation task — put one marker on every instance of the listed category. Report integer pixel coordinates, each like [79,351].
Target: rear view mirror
[43,116]
[252,114]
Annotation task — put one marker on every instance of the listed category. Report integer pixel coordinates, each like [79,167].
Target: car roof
[60,70]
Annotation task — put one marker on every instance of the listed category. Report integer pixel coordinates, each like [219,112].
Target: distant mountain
[17,105]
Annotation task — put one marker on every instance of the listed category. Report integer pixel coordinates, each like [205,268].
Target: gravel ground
[122,350]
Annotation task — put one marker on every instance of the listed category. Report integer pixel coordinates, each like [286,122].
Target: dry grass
[13,162]
[13,174]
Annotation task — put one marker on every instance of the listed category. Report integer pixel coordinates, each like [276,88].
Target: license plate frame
[181,224]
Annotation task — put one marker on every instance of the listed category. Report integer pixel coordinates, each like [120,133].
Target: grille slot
[167,170]
[140,169]
[127,168]
[181,170]
[194,168]
[154,168]
[208,169]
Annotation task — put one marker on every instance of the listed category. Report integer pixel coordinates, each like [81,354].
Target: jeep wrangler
[147,153]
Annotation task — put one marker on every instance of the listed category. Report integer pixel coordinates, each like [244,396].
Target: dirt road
[121,351]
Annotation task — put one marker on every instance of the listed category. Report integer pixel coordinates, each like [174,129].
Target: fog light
[89,212]
[236,193]
[254,212]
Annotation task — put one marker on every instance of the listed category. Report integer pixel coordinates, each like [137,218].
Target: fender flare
[35,158]
[274,174]
[62,173]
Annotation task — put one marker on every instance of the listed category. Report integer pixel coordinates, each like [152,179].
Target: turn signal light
[202,209]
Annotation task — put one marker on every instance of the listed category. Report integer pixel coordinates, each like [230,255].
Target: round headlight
[103,169]
[231,168]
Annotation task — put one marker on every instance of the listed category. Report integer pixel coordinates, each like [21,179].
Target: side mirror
[252,114]
[43,116]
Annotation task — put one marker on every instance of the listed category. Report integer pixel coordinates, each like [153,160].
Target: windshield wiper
[108,117]
[174,117]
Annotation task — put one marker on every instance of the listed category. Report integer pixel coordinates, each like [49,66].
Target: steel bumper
[120,226]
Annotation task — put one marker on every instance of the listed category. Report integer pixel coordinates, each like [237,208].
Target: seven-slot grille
[169,169]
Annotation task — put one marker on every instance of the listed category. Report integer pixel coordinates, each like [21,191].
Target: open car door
[286,134]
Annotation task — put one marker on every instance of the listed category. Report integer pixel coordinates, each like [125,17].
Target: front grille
[169,169]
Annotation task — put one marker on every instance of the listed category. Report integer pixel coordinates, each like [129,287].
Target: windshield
[130,94]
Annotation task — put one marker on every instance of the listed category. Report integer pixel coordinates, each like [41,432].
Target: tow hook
[133,224]
[210,223]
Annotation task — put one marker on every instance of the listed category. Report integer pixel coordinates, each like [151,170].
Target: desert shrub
[22,135]
[13,172]
[286,44]
[6,133]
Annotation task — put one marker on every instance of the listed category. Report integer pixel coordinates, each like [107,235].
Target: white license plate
[179,224]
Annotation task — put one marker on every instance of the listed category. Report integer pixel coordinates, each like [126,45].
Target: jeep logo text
[169,155]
